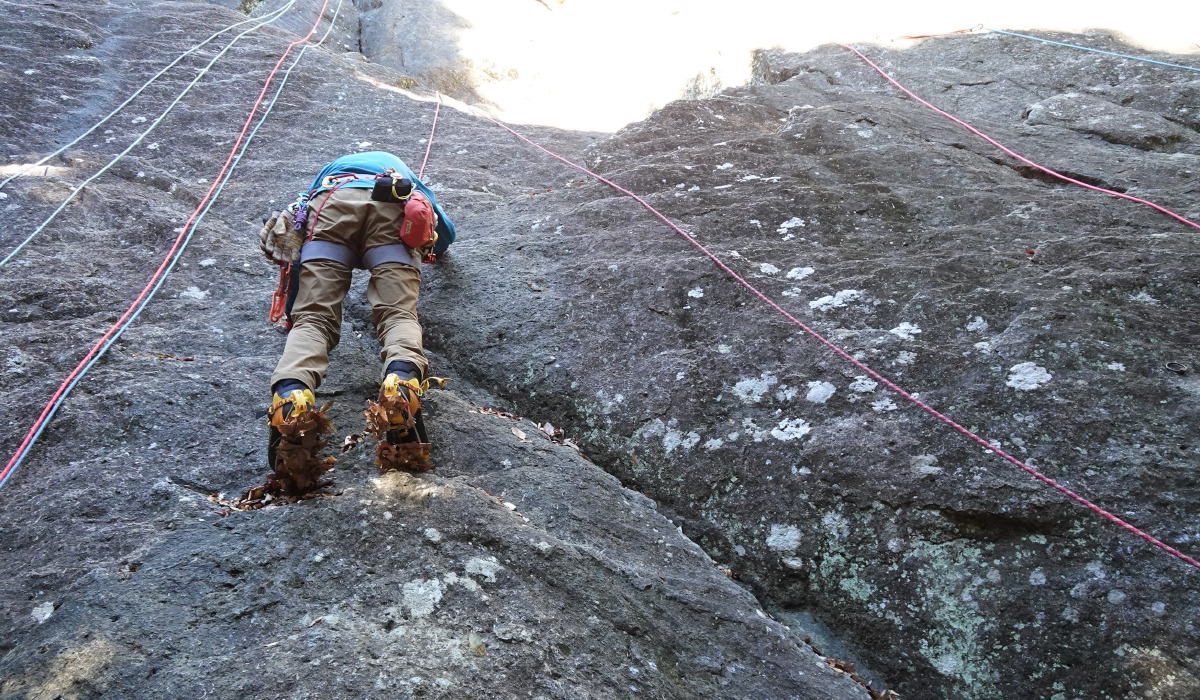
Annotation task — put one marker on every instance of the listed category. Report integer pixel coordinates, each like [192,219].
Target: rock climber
[368,211]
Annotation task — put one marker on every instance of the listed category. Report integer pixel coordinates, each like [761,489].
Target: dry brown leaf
[519,433]
[405,456]
[476,643]
[351,442]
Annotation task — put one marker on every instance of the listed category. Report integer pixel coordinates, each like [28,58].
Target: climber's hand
[278,241]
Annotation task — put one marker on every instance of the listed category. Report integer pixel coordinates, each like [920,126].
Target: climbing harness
[79,188]
[1010,152]
[970,435]
[418,231]
[277,13]
[135,309]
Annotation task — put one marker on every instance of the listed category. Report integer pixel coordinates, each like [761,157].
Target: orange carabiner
[279,298]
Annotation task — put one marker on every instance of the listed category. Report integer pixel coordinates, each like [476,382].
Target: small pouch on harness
[417,230]
[389,188]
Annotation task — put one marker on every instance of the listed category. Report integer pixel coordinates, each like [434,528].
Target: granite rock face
[1038,314]
[518,569]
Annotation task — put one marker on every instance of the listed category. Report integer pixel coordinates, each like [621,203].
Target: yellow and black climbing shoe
[296,436]
[395,419]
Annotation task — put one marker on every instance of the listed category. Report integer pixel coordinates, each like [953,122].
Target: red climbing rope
[1023,159]
[166,260]
[433,130]
[880,378]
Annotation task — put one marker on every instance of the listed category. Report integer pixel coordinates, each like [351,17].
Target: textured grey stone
[947,572]
[124,578]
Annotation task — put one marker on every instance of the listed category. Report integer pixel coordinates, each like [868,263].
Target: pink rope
[429,147]
[1023,159]
[880,378]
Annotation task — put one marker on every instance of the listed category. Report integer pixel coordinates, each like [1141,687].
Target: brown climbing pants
[351,218]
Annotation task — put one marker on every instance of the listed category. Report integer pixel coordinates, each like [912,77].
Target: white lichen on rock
[487,567]
[978,325]
[819,392]
[925,465]
[791,429]
[1027,376]
[905,331]
[193,292]
[784,538]
[422,596]
[42,612]
[836,301]
[752,390]
[884,404]
[794,222]
[863,385]
[673,438]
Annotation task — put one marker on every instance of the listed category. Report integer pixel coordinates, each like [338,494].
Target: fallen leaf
[843,666]
[351,442]
[1030,251]
[519,433]
[476,643]
[316,621]
[547,428]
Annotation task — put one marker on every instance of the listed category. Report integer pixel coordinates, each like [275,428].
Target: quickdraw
[280,297]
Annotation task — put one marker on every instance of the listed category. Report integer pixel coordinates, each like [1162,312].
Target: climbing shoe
[396,420]
[296,435]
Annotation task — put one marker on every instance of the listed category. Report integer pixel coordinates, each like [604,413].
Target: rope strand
[1014,154]
[75,192]
[168,264]
[849,358]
